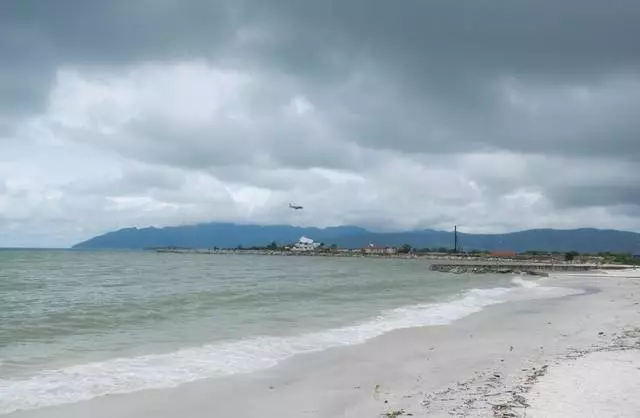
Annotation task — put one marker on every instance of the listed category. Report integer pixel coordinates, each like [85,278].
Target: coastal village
[450,260]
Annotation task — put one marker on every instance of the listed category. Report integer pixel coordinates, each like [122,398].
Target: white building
[305,244]
[374,249]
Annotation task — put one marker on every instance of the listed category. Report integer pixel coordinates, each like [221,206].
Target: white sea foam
[125,375]
[527,284]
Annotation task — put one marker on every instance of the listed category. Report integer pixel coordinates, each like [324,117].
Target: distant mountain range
[227,235]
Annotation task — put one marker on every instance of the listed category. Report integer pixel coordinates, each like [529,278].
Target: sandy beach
[566,353]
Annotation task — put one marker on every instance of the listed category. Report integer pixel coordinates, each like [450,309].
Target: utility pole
[455,238]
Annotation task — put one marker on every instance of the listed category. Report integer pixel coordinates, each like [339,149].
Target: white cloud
[367,117]
[188,142]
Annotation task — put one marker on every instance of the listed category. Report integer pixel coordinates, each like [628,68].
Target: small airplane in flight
[295,207]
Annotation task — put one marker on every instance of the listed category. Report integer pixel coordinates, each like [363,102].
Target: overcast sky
[494,115]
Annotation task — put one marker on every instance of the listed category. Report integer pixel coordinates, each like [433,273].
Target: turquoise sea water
[76,324]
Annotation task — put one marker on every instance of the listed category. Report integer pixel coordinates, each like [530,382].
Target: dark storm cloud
[421,43]
[26,72]
[434,77]
[614,195]
[36,37]
[97,32]
[464,40]
[445,59]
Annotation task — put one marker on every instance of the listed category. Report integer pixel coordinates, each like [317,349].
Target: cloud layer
[492,115]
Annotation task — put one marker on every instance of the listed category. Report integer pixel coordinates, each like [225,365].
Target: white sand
[482,365]
[602,384]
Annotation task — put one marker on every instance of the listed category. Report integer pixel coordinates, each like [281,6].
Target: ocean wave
[527,284]
[126,375]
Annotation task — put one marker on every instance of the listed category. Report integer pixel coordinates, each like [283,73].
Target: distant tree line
[621,258]
[407,248]
[614,258]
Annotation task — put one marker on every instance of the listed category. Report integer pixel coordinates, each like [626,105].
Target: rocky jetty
[534,269]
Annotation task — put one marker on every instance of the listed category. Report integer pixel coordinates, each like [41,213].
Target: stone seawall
[538,269]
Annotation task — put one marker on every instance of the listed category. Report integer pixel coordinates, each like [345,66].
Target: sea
[75,325]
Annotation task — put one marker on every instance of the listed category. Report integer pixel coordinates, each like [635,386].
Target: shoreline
[466,367]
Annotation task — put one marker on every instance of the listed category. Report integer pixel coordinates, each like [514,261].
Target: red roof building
[503,253]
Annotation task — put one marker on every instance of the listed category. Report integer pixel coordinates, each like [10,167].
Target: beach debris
[395,414]
[521,400]
[376,392]
[537,373]
[503,411]
[490,393]
[463,397]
